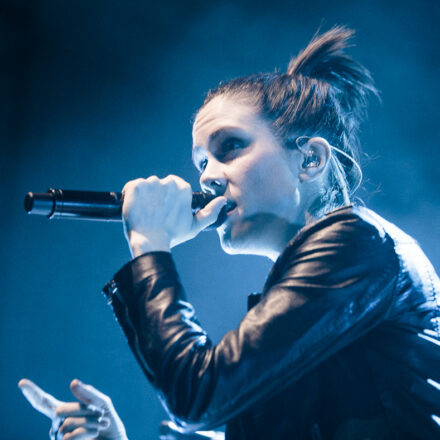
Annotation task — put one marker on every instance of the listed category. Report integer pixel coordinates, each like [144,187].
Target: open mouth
[223,216]
[230,206]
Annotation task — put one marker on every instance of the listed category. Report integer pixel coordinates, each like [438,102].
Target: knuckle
[130,184]
[152,179]
[183,185]
[169,181]
[182,182]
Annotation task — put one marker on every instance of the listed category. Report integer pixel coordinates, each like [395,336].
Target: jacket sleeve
[331,286]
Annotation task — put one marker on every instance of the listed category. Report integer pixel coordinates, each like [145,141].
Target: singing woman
[344,341]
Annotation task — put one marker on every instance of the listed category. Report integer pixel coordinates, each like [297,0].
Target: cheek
[270,183]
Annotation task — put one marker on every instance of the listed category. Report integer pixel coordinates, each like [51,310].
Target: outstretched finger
[39,399]
[89,395]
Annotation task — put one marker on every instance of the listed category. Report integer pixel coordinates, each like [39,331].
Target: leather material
[344,343]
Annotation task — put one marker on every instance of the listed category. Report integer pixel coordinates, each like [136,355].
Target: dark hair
[323,93]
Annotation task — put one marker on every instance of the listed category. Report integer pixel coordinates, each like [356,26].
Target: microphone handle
[95,205]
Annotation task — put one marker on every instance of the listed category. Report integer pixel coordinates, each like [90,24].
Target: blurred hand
[92,417]
[157,213]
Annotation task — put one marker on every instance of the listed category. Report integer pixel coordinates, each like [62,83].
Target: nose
[212,180]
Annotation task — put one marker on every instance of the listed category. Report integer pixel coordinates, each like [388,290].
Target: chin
[230,241]
[262,234]
[226,242]
[239,241]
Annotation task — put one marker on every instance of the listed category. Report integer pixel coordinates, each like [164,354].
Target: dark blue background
[96,93]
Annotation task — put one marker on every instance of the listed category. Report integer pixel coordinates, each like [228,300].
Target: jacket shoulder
[347,236]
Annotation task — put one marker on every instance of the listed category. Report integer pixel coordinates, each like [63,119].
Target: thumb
[209,214]
[39,399]
[88,394]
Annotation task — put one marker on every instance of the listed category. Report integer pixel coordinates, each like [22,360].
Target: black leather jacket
[344,344]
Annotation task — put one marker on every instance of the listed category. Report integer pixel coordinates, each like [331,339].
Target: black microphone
[96,205]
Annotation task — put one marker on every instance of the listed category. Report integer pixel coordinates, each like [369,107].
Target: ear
[315,158]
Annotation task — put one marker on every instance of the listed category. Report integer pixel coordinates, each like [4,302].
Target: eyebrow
[217,133]
[212,137]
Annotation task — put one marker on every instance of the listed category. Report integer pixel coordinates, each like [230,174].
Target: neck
[291,230]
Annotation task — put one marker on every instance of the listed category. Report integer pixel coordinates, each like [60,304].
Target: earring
[311,160]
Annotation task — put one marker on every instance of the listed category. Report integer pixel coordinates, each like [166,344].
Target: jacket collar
[279,265]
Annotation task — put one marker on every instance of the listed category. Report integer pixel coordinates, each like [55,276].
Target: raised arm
[334,283]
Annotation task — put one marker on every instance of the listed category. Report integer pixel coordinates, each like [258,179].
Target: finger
[90,423]
[151,179]
[176,180]
[179,186]
[77,409]
[89,395]
[132,183]
[39,399]
[170,179]
[81,433]
[140,190]
[209,214]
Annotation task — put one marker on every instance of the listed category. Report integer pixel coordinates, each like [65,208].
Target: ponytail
[324,92]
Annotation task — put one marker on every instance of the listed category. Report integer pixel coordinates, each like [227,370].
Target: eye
[231,144]
[223,150]
[229,148]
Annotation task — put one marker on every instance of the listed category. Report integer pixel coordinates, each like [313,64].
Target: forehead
[223,111]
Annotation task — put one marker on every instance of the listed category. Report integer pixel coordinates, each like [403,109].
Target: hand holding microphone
[157,213]
[97,205]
